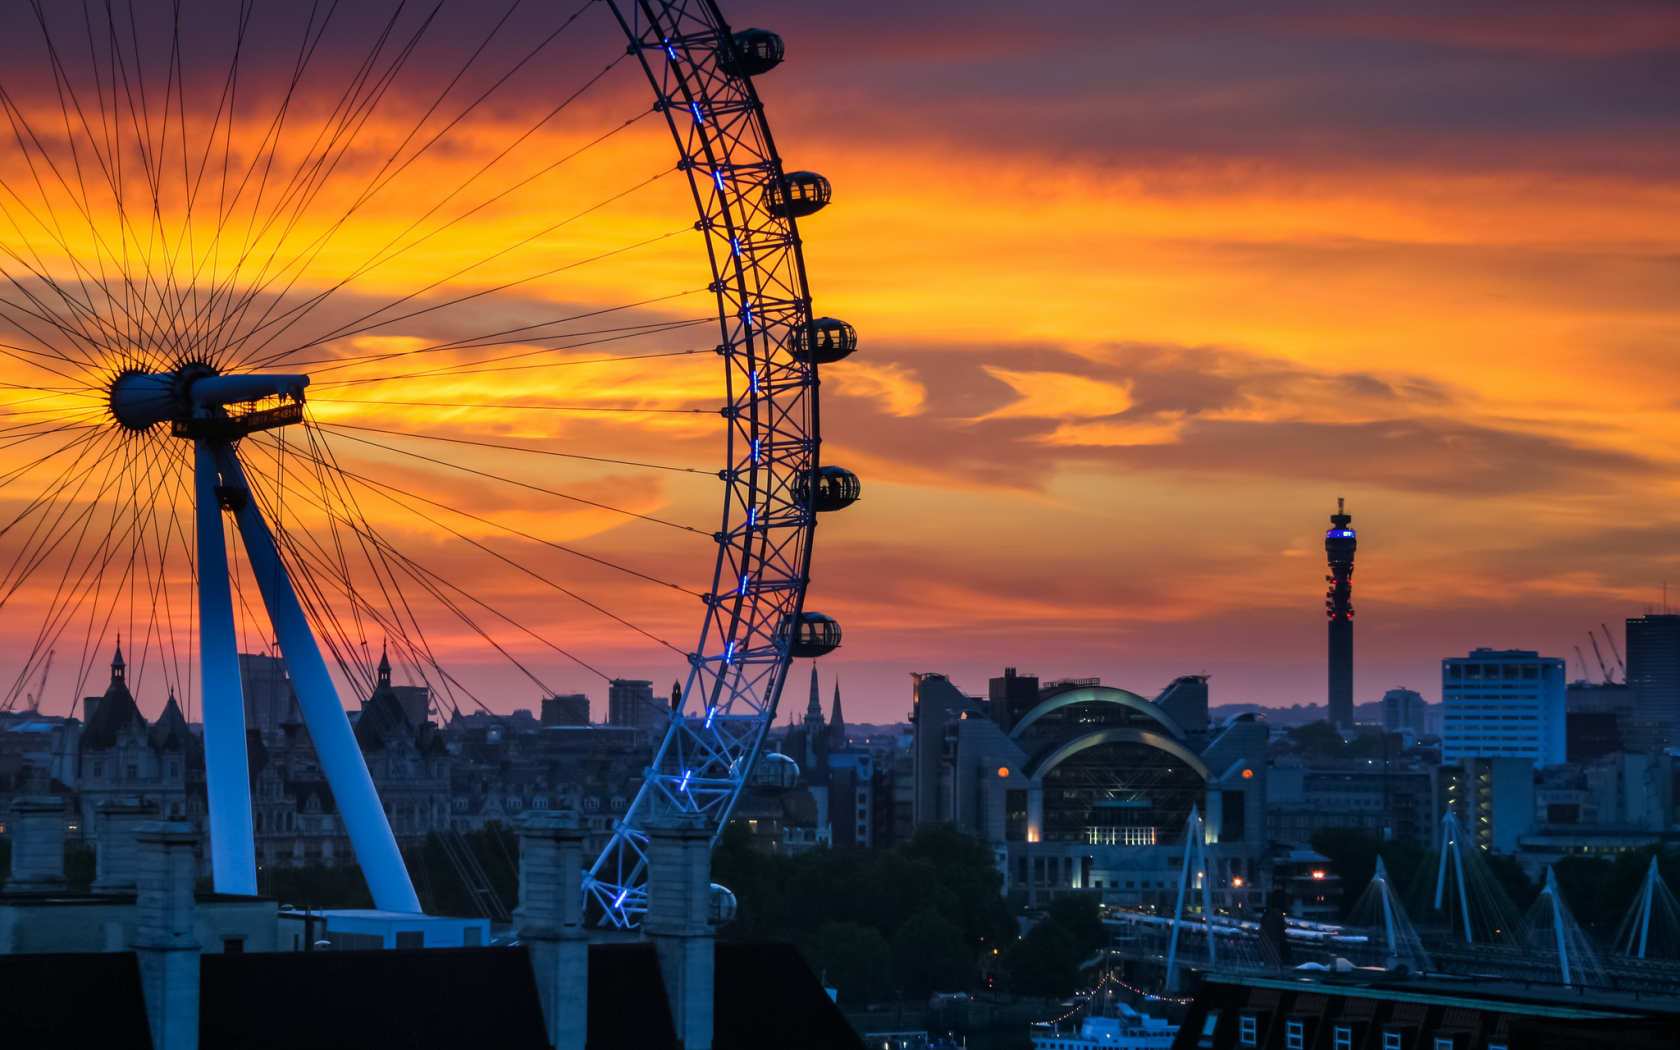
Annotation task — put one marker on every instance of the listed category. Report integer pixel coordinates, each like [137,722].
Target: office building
[1653,675]
[630,703]
[1505,703]
[1403,709]
[570,709]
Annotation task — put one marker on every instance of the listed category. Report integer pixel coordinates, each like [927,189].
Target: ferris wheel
[344,327]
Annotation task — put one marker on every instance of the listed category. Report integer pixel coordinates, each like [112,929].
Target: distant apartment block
[568,709]
[1505,703]
[1403,709]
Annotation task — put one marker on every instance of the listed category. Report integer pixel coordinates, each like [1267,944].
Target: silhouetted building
[630,703]
[1403,709]
[268,692]
[1011,697]
[1340,542]
[569,709]
[1653,661]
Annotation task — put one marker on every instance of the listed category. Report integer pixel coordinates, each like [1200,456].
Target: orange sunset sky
[1141,288]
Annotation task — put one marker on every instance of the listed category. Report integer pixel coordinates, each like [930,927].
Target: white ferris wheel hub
[195,400]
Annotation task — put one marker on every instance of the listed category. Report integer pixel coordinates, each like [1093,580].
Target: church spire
[813,709]
[119,669]
[384,669]
[836,721]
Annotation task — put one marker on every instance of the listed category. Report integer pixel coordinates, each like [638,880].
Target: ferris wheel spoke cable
[368,322]
[526,485]
[389,251]
[359,524]
[474,369]
[108,481]
[331,364]
[526,448]
[110,540]
[385,176]
[429,581]
[367,535]
[386,487]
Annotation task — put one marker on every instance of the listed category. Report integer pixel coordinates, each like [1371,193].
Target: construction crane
[1582,660]
[34,699]
[1614,653]
[1605,671]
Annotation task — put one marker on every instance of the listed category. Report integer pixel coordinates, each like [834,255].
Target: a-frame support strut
[335,744]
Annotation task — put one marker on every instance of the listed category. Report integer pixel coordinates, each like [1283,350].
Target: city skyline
[1136,304]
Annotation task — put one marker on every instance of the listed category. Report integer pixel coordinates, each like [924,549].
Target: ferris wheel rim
[729,744]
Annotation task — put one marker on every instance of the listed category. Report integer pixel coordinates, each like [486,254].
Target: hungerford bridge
[1467,926]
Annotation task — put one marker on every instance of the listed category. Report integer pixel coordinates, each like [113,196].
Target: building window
[99,769]
[133,772]
[1343,1037]
[1443,1042]
[1295,1036]
[618,802]
[514,803]
[1391,1041]
[1246,1032]
[540,802]
[592,803]
[1015,815]
[1233,808]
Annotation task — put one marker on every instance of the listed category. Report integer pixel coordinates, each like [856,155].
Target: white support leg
[233,858]
[335,743]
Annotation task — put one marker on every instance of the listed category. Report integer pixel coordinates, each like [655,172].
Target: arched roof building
[1086,786]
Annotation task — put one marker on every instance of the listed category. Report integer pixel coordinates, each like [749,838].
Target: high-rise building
[569,709]
[630,703]
[1340,543]
[1505,703]
[1653,673]
[1403,709]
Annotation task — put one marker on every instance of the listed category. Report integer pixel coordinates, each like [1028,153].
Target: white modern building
[1503,703]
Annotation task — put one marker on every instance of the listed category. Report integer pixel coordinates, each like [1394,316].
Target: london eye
[477,332]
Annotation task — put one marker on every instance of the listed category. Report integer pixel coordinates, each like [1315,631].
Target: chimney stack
[550,922]
[678,920]
[163,936]
[117,867]
[37,845]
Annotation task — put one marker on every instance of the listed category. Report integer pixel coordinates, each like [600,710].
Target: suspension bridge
[1461,923]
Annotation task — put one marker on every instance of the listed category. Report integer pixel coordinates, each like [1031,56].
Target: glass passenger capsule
[722,905]
[774,772]
[837,489]
[755,51]
[807,194]
[816,635]
[832,339]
